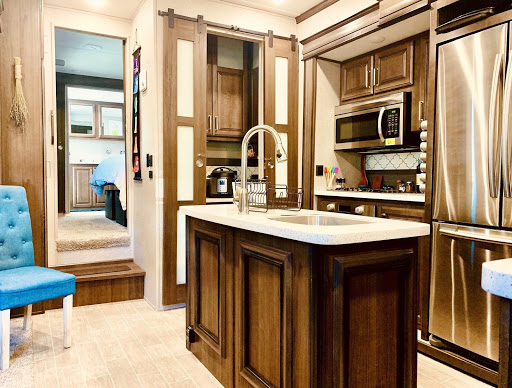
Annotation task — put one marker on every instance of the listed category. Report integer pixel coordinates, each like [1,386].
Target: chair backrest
[16,246]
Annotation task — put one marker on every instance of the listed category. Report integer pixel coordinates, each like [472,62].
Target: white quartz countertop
[497,277]
[403,197]
[220,200]
[373,229]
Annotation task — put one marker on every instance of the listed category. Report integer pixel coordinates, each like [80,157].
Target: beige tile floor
[128,344]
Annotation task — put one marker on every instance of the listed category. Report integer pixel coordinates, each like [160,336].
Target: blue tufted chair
[21,282]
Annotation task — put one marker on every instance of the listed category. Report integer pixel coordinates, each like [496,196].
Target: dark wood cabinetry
[210,302]
[228,97]
[366,301]
[405,211]
[383,70]
[394,67]
[356,80]
[265,311]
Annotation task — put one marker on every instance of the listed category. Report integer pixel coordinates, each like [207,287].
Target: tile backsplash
[395,161]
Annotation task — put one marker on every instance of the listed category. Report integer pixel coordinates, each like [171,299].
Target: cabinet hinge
[170,15]
[191,335]
[270,38]
[293,38]
[201,25]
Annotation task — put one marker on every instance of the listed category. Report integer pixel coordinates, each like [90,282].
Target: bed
[109,178]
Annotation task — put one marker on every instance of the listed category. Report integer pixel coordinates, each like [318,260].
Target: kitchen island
[302,299]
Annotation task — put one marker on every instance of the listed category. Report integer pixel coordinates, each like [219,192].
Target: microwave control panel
[392,123]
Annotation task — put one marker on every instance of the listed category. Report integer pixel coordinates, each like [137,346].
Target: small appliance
[378,124]
[220,183]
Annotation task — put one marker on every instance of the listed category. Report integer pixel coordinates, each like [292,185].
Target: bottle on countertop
[418,177]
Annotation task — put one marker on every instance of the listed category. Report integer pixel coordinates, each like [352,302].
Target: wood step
[104,282]
[104,270]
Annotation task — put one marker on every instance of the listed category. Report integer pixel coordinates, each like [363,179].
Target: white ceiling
[291,8]
[125,9]
[103,59]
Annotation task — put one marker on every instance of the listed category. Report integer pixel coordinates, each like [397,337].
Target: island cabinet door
[210,319]
[273,330]
[367,338]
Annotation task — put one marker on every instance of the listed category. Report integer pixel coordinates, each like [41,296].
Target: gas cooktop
[370,190]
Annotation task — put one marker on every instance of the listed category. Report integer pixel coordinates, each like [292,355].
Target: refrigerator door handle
[379,124]
[501,238]
[493,162]
[505,137]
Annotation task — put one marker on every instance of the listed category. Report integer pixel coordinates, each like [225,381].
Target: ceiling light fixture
[94,47]
[97,3]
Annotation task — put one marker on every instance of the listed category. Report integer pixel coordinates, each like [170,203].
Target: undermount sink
[318,220]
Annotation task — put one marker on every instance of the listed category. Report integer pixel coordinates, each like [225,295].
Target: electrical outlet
[319,170]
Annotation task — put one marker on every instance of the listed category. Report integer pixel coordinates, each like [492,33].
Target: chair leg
[5,322]
[27,320]
[68,308]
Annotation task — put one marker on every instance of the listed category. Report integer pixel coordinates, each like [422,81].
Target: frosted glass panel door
[184,144]
[281,85]
[185,163]
[281,90]
[185,79]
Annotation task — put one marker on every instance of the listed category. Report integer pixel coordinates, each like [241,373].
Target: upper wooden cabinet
[386,69]
[229,103]
[394,67]
[356,80]
[229,74]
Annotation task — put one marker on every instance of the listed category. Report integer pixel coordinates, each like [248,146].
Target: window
[81,118]
[96,113]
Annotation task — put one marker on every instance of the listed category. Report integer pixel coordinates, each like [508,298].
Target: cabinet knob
[384,215]
[359,210]
[331,207]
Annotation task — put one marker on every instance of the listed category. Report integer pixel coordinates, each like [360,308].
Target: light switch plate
[319,170]
[143,80]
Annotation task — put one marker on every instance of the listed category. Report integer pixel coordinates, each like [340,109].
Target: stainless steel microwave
[380,123]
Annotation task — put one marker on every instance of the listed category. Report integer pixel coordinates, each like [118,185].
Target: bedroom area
[91,146]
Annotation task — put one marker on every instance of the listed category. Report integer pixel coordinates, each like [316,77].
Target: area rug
[90,230]
[21,369]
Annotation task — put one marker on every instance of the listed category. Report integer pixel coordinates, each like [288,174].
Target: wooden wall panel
[308,144]
[22,155]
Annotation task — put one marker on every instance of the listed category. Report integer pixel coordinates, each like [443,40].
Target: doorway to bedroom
[91,141]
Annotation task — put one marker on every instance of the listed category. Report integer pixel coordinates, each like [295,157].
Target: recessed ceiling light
[94,47]
[377,39]
[97,3]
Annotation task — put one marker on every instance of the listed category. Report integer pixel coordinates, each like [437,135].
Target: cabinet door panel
[82,193]
[210,301]
[402,212]
[265,316]
[380,285]
[394,67]
[355,78]
[230,103]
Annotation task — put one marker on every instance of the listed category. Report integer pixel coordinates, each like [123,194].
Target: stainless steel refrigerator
[472,204]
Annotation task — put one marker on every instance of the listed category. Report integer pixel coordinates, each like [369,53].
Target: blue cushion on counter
[28,285]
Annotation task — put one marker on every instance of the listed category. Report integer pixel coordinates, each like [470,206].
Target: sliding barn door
[184,143]
[281,107]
